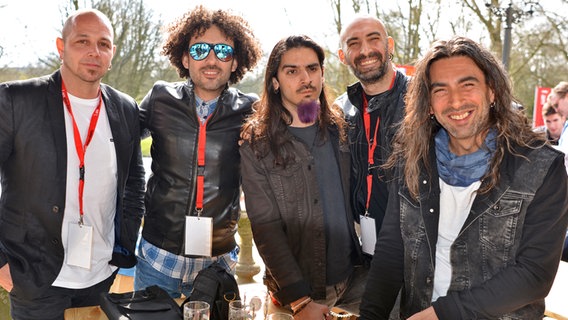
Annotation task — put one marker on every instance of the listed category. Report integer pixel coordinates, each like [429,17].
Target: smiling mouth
[460,116]
[366,62]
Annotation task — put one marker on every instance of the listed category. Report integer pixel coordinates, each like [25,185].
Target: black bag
[217,287]
[152,303]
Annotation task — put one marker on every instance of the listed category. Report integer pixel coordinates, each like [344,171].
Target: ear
[341,55]
[185,60]
[275,84]
[235,64]
[390,43]
[60,46]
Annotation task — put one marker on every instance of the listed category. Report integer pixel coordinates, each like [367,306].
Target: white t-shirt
[563,144]
[99,195]
[455,204]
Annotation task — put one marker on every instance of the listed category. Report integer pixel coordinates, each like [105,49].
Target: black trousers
[52,303]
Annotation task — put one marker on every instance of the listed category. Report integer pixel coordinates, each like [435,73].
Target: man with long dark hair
[479,207]
[296,169]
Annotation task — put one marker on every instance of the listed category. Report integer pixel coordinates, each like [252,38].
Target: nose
[454,98]
[305,77]
[365,48]
[94,50]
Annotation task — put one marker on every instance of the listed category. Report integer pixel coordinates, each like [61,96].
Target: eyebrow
[462,80]
[374,33]
[298,66]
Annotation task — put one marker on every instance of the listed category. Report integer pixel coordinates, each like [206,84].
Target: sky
[27,35]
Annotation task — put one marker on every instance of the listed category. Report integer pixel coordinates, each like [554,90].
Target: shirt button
[55,209]
[431,210]
[424,182]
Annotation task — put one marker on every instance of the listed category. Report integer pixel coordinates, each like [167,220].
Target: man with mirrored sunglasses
[193,194]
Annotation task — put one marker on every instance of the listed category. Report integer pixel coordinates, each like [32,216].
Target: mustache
[373,54]
[308,86]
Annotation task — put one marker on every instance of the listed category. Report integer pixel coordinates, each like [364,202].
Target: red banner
[540,95]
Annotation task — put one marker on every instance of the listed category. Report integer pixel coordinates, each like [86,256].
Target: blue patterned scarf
[461,171]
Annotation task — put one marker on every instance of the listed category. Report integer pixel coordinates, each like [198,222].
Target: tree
[137,38]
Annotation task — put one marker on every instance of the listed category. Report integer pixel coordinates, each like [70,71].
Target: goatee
[308,111]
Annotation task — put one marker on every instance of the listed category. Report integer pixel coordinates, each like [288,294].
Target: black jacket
[168,113]
[389,107]
[287,219]
[33,166]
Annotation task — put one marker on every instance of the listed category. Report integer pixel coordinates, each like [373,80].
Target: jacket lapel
[55,111]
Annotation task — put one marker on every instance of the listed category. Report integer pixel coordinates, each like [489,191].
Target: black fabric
[217,287]
[152,303]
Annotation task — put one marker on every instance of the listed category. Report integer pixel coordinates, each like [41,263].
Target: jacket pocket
[498,226]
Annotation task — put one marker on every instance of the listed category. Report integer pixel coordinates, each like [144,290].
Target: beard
[308,111]
[372,76]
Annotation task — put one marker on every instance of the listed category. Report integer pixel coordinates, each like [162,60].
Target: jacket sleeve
[133,197]
[386,275]
[6,139]
[268,230]
[531,277]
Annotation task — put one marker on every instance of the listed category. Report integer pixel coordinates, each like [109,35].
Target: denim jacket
[504,259]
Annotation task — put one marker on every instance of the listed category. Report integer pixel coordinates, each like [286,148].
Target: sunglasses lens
[224,52]
[199,51]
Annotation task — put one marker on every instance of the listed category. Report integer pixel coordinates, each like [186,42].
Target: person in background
[479,205]
[193,193]
[296,170]
[553,123]
[72,178]
[375,104]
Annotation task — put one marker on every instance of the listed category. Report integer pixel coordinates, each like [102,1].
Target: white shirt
[563,144]
[455,204]
[99,195]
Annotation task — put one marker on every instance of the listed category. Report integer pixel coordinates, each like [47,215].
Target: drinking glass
[196,310]
[239,311]
[280,316]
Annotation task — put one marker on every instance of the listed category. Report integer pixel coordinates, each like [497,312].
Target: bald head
[358,21]
[71,22]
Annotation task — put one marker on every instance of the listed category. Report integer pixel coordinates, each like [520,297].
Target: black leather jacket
[168,113]
[389,107]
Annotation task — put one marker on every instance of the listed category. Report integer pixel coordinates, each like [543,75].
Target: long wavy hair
[416,135]
[266,128]
[194,23]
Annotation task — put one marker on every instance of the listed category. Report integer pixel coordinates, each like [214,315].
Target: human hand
[426,314]
[313,311]
[6,278]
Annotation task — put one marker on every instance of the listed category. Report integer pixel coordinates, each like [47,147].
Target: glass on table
[280,316]
[196,310]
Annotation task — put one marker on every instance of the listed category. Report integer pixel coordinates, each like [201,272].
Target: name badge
[368,234]
[198,236]
[79,245]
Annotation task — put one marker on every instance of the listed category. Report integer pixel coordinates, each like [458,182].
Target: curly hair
[266,128]
[416,134]
[195,23]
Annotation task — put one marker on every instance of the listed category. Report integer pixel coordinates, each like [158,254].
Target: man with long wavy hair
[296,168]
[479,205]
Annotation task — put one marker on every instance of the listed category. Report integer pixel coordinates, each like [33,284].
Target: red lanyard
[372,143]
[200,166]
[81,150]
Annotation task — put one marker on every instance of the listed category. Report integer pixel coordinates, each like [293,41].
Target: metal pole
[507,41]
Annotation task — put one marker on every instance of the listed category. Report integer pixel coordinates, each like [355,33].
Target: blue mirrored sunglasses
[200,51]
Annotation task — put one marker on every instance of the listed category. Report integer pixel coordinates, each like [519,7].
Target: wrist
[300,304]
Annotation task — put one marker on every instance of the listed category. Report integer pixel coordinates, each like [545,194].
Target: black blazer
[33,167]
